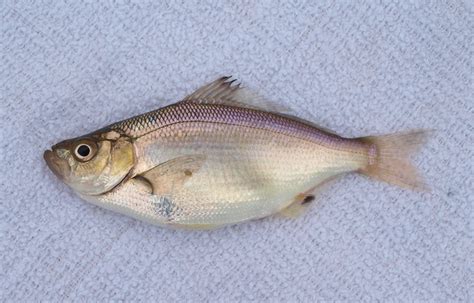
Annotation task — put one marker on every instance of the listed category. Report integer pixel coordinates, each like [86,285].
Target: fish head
[93,164]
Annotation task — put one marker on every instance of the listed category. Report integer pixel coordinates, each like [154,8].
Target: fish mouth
[57,165]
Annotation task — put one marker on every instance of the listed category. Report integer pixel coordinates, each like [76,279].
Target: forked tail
[389,158]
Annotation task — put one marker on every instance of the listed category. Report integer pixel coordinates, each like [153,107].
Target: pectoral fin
[172,174]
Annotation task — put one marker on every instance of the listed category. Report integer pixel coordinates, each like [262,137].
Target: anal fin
[300,203]
[298,206]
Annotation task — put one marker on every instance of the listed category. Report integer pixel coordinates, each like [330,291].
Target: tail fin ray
[389,159]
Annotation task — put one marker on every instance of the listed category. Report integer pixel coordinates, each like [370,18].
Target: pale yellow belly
[247,174]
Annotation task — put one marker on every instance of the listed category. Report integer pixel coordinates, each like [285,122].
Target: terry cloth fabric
[358,68]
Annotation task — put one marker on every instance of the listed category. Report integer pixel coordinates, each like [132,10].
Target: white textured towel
[359,69]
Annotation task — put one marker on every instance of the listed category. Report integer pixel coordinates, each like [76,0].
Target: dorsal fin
[221,88]
[226,90]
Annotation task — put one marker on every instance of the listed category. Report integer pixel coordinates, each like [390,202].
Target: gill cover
[106,169]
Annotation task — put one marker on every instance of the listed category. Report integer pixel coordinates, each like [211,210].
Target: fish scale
[221,156]
[273,171]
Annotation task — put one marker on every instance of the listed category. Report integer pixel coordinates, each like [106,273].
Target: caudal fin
[389,159]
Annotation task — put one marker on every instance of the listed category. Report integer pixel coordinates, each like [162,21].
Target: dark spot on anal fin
[188,173]
[307,199]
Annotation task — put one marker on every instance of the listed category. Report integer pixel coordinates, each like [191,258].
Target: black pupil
[83,150]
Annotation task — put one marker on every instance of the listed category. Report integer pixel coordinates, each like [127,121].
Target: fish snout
[57,165]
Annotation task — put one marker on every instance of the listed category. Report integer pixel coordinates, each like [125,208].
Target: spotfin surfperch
[221,156]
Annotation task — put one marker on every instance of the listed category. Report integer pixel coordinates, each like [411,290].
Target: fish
[221,156]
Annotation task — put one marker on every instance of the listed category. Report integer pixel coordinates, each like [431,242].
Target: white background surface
[359,69]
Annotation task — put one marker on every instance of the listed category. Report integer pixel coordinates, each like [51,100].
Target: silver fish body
[207,161]
[256,163]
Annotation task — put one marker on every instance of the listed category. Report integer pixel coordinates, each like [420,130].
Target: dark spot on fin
[307,199]
[298,206]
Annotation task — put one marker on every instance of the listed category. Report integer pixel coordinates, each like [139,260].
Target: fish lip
[58,166]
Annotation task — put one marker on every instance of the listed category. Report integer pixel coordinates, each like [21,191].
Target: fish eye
[84,151]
